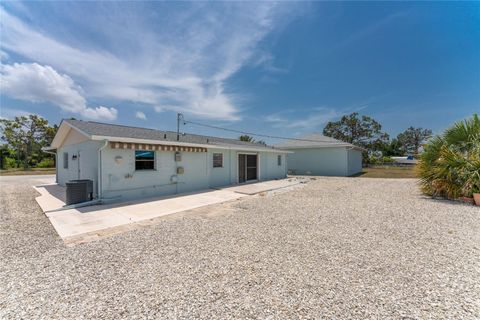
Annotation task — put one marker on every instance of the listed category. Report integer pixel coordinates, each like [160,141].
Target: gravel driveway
[338,248]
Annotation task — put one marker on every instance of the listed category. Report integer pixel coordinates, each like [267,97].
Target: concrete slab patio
[258,187]
[52,196]
[75,222]
[97,219]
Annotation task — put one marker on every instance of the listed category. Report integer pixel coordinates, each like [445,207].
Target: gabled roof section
[314,140]
[63,131]
[121,133]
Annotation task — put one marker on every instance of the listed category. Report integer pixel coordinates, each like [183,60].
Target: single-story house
[316,154]
[129,162]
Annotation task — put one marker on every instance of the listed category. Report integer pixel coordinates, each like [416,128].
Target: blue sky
[274,68]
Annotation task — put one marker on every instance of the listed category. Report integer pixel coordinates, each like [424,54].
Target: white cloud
[362,33]
[10,113]
[266,60]
[140,115]
[158,109]
[313,121]
[179,60]
[36,83]
[3,55]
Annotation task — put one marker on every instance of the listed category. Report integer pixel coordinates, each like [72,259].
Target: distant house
[409,160]
[315,154]
[129,162]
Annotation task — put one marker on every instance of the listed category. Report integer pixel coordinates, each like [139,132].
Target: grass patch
[30,171]
[388,172]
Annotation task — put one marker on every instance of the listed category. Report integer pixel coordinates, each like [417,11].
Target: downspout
[56,163]
[99,169]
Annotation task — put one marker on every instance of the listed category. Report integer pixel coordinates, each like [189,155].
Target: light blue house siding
[354,161]
[119,177]
[105,153]
[269,168]
[225,175]
[329,161]
[121,180]
[82,162]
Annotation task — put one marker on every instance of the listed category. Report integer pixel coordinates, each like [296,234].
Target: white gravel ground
[338,248]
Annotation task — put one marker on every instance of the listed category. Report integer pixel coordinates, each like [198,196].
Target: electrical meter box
[180,170]
[178,156]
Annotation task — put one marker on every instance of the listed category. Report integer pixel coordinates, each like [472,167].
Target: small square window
[218,160]
[144,160]
[279,160]
[65,160]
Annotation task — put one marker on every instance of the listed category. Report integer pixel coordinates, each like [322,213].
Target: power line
[255,134]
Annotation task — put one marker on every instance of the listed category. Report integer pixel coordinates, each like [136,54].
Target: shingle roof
[113,130]
[314,140]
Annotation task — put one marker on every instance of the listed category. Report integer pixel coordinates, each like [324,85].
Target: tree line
[24,137]
[366,132]
[22,141]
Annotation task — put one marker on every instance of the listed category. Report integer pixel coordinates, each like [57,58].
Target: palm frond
[450,164]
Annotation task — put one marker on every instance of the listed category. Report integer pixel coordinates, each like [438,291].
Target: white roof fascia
[316,147]
[62,133]
[188,144]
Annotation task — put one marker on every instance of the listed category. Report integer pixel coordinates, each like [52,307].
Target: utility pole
[179,118]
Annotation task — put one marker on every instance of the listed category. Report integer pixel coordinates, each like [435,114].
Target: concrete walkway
[74,222]
[259,187]
[98,219]
[52,196]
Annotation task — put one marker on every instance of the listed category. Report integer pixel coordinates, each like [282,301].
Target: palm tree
[450,165]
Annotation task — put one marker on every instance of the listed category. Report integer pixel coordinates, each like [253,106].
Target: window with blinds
[144,160]
[218,160]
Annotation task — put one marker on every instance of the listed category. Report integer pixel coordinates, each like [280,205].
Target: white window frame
[213,160]
[154,160]
[279,160]
[65,160]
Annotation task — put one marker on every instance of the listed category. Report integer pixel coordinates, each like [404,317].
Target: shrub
[380,160]
[10,163]
[46,163]
[386,159]
[450,165]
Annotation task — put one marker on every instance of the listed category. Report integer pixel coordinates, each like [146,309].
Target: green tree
[27,136]
[391,148]
[361,131]
[6,154]
[412,139]
[246,138]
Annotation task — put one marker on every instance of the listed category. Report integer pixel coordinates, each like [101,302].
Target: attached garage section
[318,162]
[354,161]
[322,156]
